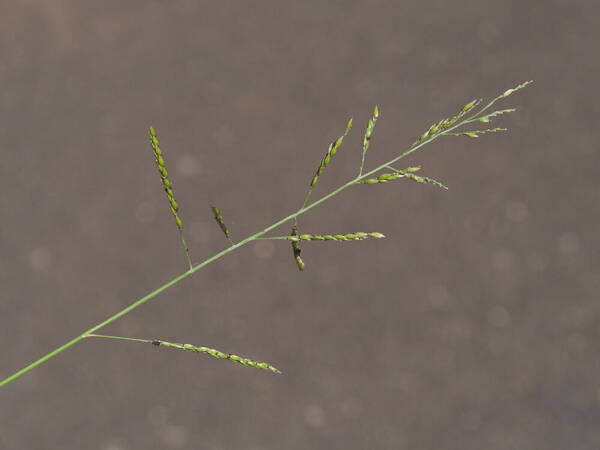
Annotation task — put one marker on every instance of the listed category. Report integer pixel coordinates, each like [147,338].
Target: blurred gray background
[474,325]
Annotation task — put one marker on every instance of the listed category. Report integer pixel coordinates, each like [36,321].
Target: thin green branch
[120,338]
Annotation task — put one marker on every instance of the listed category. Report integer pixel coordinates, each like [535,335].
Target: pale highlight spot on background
[598,395]
[108,302]
[262,385]
[314,416]
[145,213]
[498,316]
[408,382]
[200,231]
[237,328]
[537,261]
[366,89]
[502,259]
[516,211]
[329,274]
[284,272]
[488,32]
[438,296]
[174,436]
[114,444]
[223,136]
[264,249]
[580,316]
[39,258]
[445,360]
[495,162]
[473,223]
[562,104]
[436,59]
[213,445]
[457,329]
[351,408]
[158,415]
[568,244]
[187,165]
[576,343]
[470,420]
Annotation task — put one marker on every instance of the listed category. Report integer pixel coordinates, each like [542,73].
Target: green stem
[185,249]
[120,338]
[193,269]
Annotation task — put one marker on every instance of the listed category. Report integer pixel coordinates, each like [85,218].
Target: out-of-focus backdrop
[474,325]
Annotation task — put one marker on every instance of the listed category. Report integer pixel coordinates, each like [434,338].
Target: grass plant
[471,113]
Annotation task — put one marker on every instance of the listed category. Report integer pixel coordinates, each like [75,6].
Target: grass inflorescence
[367,138]
[357,236]
[408,173]
[470,113]
[218,354]
[221,222]
[207,351]
[168,186]
[296,250]
[331,152]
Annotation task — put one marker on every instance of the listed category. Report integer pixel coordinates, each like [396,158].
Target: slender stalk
[185,249]
[120,338]
[193,269]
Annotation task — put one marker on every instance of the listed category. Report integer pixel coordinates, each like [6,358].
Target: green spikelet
[476,133]
[168,186]
[370,128]
[358,236]
[220,220]
[296,250]
[367,137]
[218,354]
[331,151]
[444,124]
[515,89]
[409,173]
[487,117]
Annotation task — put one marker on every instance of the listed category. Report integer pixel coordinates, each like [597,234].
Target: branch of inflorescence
[256,236]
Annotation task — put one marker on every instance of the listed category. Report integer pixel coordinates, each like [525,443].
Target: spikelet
[168,186]
[487,117]
[444,124]
[515,89]
[164,176]
[358,236]
[296,250]
[370,128]
[220,220]
[409,173]
[476,133]
[331,151]
[218,354]
[367,137]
